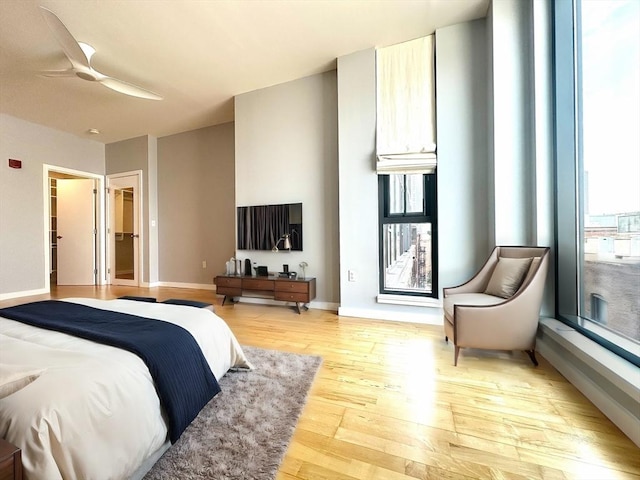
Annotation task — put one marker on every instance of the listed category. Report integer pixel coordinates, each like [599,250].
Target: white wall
[358,185]
[512,116]
[22,202]
[464,221]
[521,121]
[463,192]
[286,152]
[542,144]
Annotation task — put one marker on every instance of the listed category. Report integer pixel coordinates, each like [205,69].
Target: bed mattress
[92,411]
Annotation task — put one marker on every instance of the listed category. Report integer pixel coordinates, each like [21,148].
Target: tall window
[408,234]
[597,60]
[406,165]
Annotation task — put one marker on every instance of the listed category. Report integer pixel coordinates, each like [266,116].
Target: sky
[611,104]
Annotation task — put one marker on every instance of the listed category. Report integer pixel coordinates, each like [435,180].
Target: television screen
[262,227]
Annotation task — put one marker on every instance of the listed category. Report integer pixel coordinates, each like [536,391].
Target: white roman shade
[406,133]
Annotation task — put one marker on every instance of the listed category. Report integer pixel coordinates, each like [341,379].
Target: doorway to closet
[72,220]
[125,235]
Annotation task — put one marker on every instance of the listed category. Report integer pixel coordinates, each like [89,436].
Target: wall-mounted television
[260,227]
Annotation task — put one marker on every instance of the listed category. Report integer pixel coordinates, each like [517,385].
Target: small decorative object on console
[262,271]
[303,265]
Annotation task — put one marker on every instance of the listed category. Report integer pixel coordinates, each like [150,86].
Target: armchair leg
[455,357]
[532,356]
[446,339]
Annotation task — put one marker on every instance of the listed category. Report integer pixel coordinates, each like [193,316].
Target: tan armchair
[486,313]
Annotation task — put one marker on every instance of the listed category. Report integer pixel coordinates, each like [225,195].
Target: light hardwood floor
[389,404]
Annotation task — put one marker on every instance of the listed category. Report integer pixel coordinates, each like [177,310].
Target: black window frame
[429,214]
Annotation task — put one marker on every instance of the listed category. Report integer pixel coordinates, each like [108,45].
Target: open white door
[124,236]
[76,232]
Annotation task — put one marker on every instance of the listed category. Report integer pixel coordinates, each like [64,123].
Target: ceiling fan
[79,54]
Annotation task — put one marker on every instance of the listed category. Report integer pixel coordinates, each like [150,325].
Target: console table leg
[300,306]
[228,298]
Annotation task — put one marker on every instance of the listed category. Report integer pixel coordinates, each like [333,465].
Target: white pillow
[507,276]
[16,377]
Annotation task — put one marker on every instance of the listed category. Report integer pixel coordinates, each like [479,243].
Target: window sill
[607,380]
[409,300]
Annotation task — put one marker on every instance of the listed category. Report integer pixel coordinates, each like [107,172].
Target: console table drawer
[229,286]
[292,297]
[257,284]
[299,287]
[228,282]
[229,291]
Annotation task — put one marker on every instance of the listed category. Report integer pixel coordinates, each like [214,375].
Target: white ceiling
[196,54]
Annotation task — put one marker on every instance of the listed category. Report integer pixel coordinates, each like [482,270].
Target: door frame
[100,246]
[140,209]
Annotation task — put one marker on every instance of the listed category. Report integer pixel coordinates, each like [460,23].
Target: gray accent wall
[152,208]
[287,152]
[22,201]
[196,204]
[140,153]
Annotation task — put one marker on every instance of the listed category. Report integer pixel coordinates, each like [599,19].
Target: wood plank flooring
[389,404]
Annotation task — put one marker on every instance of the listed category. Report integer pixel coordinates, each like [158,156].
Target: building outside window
[408,239]
[598,158]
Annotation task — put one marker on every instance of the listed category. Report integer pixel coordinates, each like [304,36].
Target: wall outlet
[352,276]
[204,264]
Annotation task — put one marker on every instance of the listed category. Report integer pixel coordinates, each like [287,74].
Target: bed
[81,409]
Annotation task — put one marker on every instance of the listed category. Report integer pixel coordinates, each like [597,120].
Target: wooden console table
[10,461]
[299,290]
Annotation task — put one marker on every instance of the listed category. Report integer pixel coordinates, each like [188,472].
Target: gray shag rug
[244,431]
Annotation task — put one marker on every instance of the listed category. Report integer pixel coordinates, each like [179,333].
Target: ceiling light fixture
[93,131]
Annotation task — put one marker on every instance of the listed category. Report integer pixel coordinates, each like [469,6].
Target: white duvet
[93,413]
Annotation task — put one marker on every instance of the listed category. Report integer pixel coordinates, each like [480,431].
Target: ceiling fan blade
[69,44]
[88,51]
[59,73]
[128,89]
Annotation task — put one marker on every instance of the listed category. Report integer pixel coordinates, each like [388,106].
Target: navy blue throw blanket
[182,376]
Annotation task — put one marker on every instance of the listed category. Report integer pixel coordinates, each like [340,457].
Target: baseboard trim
[23,293]
[425,317]
[196,286]
[333,307]
[571,341]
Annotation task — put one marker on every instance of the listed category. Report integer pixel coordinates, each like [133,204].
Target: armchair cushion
[477,299]
[507,276]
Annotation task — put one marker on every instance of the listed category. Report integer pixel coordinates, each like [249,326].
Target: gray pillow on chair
[507,276]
